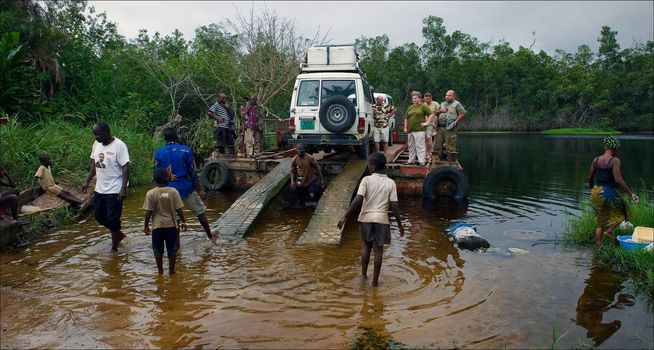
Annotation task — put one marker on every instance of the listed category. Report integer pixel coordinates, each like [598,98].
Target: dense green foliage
[637,265]
[507,89]
[63,66]
[69,145]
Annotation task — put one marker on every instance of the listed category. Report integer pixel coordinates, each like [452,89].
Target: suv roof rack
[313,68]
[332,58]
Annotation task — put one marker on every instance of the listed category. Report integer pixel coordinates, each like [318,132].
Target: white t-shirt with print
[108,161]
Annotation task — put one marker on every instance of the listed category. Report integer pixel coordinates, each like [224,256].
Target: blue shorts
[167,235]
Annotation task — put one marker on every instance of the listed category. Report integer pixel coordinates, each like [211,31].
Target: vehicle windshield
[331,88]
[308,93]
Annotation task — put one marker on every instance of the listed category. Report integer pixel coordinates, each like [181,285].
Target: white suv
[321,113]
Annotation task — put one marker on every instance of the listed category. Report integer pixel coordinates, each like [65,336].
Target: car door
[365,108]
[307,107]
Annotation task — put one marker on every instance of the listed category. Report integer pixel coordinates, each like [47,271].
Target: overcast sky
[557,24]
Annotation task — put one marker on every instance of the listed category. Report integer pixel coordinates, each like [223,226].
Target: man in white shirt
[110,163]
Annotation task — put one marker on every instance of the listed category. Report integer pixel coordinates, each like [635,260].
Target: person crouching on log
[303,173]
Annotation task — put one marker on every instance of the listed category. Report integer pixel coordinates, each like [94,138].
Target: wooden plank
[47,201]
[281,154]
[396,152]
[236,221]
[333,204]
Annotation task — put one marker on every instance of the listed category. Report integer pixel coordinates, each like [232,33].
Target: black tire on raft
[445,182]
[337,114]
[215,175]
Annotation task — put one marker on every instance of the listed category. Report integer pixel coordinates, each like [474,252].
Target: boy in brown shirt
[161,204]
[46,181]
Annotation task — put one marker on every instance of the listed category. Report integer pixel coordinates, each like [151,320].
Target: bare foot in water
[214,236]
[364,278]
[121,236]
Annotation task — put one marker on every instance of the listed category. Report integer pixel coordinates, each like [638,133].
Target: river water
[66,290]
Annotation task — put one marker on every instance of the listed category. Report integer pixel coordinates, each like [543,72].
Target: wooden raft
[236,221]
[333,204]
[46,201]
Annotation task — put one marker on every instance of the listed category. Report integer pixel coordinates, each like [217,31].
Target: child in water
[161,204]
[377,192]
[46,181]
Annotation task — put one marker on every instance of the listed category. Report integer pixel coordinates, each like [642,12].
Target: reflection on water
[602,293]
[67,291]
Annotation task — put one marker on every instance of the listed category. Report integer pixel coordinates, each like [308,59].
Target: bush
[637,265]
[69,145]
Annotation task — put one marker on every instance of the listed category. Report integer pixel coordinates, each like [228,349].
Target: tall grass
[637,265]
[69,145]
[45,222]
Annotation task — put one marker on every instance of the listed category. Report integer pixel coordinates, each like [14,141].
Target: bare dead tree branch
[271,51]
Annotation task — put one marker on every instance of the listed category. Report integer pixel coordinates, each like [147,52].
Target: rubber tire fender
[223,170]
[342,106]
[440,173]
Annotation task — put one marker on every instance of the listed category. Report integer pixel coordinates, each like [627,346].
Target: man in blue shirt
[178,160]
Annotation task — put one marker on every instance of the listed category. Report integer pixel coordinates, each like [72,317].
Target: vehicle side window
[390,101]
[308,93]
[331,88]
[366,91]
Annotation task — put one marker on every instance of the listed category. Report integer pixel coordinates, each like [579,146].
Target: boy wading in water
[161,204]
[376,193]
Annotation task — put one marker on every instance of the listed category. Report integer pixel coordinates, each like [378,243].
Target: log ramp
[333,204]
[236,221]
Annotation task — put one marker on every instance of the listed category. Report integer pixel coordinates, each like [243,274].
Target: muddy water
[66,290]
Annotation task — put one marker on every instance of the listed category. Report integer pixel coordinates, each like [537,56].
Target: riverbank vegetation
[64,66]
[519,89]
[581,131]
[636,265]
[69,145]
[45,222]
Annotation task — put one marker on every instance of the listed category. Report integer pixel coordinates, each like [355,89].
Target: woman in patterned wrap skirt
[604,179]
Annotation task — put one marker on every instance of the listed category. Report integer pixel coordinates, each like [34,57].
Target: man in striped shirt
[223,117]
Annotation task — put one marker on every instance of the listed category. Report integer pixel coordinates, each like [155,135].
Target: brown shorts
[378,233]
[54,190]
